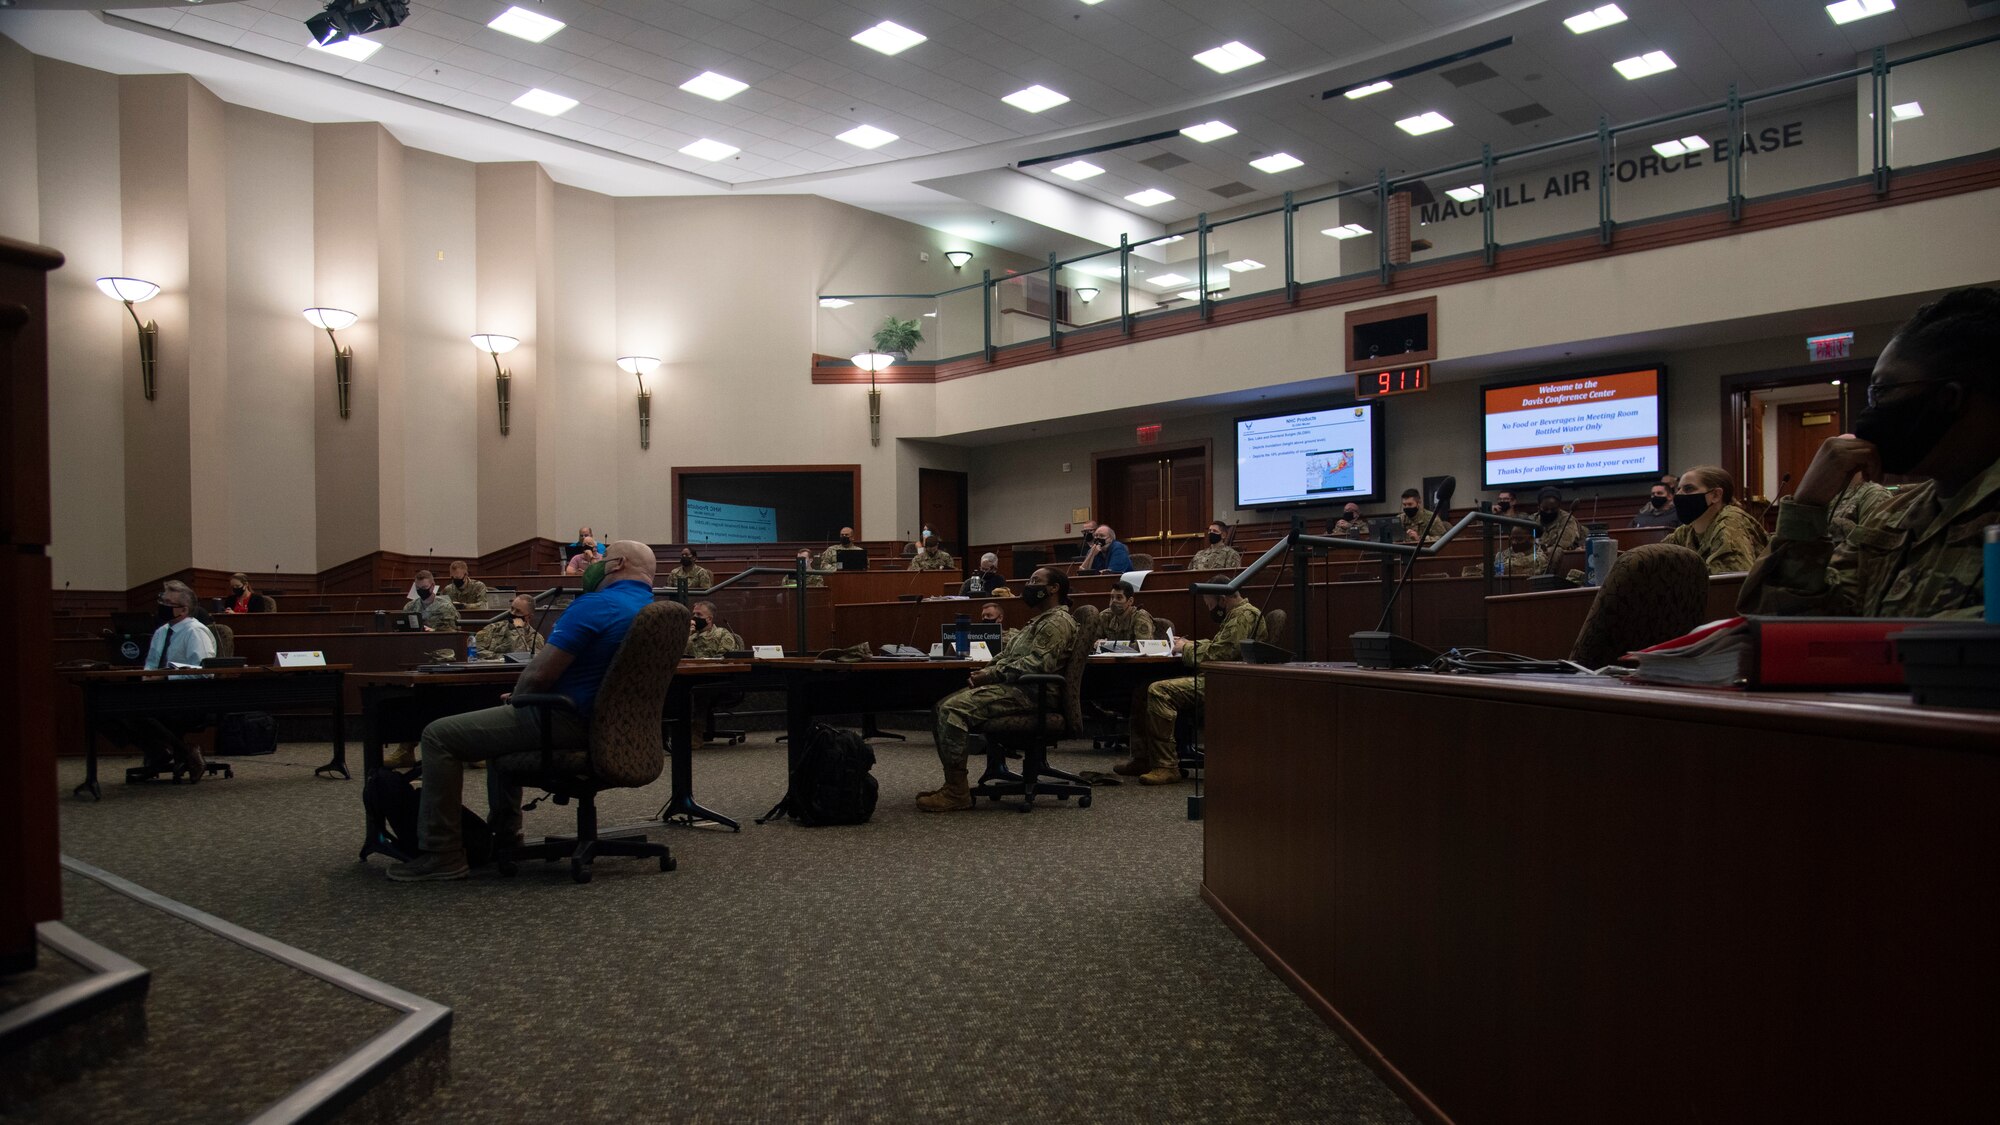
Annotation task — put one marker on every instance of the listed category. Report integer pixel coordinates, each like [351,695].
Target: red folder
[1826,651]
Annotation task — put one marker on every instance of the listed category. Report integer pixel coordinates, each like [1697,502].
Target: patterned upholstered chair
[1142,561]
[625,749]
[1059,716]
[1654,593]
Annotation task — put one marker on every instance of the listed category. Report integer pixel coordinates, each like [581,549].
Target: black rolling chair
[1058,716]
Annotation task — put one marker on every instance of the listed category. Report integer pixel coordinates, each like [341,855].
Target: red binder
[1783,652]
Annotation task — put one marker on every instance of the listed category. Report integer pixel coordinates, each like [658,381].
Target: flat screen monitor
[1302,457]
[1574,429]
[852,558]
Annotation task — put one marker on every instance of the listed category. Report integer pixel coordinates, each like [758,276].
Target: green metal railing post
[1487,202]
[1878,132]
[1054,340]
[1291,263]
[1382,221]
[1735,105]
[986,309]
[1201,265]
[1604,225]
[1125,283]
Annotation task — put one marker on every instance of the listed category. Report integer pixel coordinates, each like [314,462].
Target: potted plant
[897,337]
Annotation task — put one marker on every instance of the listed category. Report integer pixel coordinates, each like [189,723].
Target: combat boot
[1164,775]
[1130,767]
[954,797]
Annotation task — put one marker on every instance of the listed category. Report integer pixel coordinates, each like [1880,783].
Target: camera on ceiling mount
[344,19]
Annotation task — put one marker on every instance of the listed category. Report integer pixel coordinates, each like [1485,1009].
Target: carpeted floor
[981,966]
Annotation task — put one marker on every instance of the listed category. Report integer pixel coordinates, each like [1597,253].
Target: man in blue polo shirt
[1107,553]
[572,663]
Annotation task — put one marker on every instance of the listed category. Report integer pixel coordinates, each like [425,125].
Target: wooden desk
[179,692]
[1534,899]
[1544,624]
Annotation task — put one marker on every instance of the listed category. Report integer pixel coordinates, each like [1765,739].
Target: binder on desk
[1781,652]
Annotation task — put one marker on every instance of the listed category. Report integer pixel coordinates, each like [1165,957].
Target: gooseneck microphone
[1440,500]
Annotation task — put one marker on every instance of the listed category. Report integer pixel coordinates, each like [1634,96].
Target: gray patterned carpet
[981,966]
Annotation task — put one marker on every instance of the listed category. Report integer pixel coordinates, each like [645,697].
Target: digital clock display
[1395,381]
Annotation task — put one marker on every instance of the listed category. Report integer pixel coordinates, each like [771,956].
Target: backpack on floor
[393,798]
[246,732]
[833,783]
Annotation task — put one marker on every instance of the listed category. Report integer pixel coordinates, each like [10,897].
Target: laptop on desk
[131,635]
[852,558]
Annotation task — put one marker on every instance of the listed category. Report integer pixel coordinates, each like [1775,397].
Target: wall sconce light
[1085,292]
[334,320]
[131,291]
[957,258]
[638,365]
[873,362]
[494,344]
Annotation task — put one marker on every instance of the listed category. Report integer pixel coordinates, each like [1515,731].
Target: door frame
[1735,391]
[962,482]
[1205,445]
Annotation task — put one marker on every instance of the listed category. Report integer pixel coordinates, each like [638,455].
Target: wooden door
[1801,427]
[1156,499]
[941,506]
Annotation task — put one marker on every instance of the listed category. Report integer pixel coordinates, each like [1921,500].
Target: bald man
[829,559]
[573,663]
[1107,555]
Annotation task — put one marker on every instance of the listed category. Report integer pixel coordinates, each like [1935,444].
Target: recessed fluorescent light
[716,87]
[1151,197]
[889,38]
[930,314]
[1351,230]
[1428,122]
[1639,66]
[1681,147]
[705,149]
[1470,193]
[1371,88]
[1847,11]
[1905,111]
[1230,56]
[1243,265]
[353,47]
[1208,131]
[1077,170]
[1035,99]
[1169,239]
[524,24]
[1189,294]
[1093,3]
[867,136]
[833,303]
[1278,162]
[1595,18]
[1168,280]
[542,101]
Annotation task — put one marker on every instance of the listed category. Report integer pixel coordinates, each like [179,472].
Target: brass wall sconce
[957,258]
[334,320]
[638,365]
[1085,292]
[495,345]
[131,291]
[873,362]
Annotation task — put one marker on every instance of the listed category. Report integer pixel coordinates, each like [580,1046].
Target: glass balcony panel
[1544,195]
[1247,256]
[1669,169]
[1942,108]
[1336,238]
[1809,138]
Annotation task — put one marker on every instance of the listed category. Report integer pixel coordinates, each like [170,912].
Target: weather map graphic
[1330,470]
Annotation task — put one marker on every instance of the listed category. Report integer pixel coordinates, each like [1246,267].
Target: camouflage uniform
[1357,528]
[1919,555]
[1153,725]
[1417,522]
[502,636]
[472,595]
[935,559]
[697,579]
[438,613]
[1042,647]
[1732,542]
[714,641]
[1132,625]
[1857,502]
[1219,557]
[829,559]
[811,579]
[1558,535]
[1649,516]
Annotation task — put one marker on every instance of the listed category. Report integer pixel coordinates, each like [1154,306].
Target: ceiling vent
[1468,74]
[1232,189]
[1164,161]
[1522,114]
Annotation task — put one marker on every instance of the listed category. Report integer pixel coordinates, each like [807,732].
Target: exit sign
[1149,434]
[1837,345]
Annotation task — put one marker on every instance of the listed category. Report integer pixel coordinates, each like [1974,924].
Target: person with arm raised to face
[987,581]
[1351,524]
[932,557]
[1107,554]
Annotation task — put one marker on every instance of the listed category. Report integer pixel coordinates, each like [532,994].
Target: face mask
[458,582]
[847,541]
[593,577]
[1691,507]
[1214,538]
[1351,517]
[700,623]
[686,561]
[236,591]
[1503,506]
[164,614]
[1903,431]
[1219,612]
[1409,513]
[1662,501]
[1548,516]
[423,591]
[1034,595]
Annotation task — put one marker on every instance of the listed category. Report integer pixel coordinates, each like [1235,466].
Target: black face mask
[1034,595]
[458,582]
[1409,513]
[1691,506]
[1902,432]
[1501,507]
[686,563]
[847,541]
[424,593]
[1214,538]
[164,614]
[1661,501]
[1219,612]
[700,623]
[1548,516]
[1351,517]
[236,591]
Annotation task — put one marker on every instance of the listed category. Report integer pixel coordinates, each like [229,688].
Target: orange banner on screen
[1576,447]
[1567,392]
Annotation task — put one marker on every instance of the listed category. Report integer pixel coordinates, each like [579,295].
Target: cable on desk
[1486,661]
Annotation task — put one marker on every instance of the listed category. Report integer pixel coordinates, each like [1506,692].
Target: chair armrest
[547,700]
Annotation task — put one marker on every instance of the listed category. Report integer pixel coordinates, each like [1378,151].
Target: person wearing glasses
[1713,524]
[1107,555]
[1933,411]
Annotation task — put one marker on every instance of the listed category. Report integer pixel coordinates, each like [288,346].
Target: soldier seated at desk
[1122,619]
[465,591]
[1155,760]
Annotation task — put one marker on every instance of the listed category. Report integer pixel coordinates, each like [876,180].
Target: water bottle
[1499,564]
[959,636]
[977,585]
[1600,551]
[471,650]
[1992,561]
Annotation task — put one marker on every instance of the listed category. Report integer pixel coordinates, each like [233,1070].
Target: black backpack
[832,784]
[392,798]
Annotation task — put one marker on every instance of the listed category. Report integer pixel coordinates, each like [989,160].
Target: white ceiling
[444,81]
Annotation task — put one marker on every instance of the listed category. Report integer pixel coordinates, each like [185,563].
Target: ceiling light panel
[1231,56]
[1243,265]
[1906,110]
[1427,122]
[867,136]
[1847,11]
[1642,66]
[354,47]
[713,86]
[1343,233]
[543,101]
[1470,193]
[1681,147]
[524,24]
[1585,22]
[1208,131]
[1277,162]
[1371,88]
[1035,99]
[705,149]
[889,38]
[1168,280]
[1151,197]
[1077,170]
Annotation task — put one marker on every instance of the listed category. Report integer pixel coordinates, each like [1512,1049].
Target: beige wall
[20,198]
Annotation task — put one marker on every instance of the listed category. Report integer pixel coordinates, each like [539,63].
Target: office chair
[1654,593]
[1142,562]
[1058,715]
[624,749]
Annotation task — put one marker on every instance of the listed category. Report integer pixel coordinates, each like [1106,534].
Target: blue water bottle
[1993,573]
[960,636]
[471,650]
